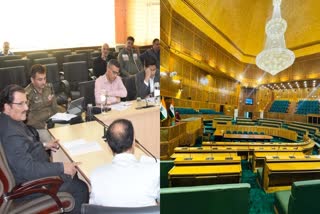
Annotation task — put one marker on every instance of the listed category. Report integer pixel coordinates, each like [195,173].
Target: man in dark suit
[145,80]
[26,155]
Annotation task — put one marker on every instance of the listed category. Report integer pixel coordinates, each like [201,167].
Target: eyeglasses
[116,73]
[22,103]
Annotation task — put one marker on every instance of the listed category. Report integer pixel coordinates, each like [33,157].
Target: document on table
[121,106]
[62,116]
[81,146]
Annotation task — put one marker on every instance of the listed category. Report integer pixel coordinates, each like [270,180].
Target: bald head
[104,50]
[120,136]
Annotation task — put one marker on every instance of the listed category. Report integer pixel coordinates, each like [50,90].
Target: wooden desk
[203,155]
[204,175]
[247,137]
[91,132]
[146,124]
[284,174]
[208,160]
[258,159]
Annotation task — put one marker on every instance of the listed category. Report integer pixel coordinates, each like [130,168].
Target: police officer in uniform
[42,102]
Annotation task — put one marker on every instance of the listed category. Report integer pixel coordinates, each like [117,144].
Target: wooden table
[208,160]
[284,174]
[204,175]
[91,132]
[146,124]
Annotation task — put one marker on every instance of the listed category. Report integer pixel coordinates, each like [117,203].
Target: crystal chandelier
[275,57]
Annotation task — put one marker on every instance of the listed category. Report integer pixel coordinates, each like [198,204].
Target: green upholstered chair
[165,166]
[302,198]
[207,199]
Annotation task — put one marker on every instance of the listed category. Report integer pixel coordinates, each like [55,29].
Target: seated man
[5,51]
[129,59]
[126,182]
[42,102]
[26,156]
[110,84]
[100,63]
[153,52]
[145,80]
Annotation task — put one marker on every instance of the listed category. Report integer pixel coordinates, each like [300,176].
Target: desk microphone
[276,156]
[292,156]
[146,150]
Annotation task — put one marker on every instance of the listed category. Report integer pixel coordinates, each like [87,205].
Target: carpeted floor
[259,201]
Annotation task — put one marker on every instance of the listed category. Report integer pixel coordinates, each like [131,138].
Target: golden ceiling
[238,25]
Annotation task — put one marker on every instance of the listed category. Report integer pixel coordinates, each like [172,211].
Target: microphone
[276,156]
[147,150]
[292,156]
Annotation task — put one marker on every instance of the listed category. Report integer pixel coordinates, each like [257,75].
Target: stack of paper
[62,116]
[80,147]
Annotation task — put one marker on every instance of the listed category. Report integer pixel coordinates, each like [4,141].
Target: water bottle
[157,92]
[89,116]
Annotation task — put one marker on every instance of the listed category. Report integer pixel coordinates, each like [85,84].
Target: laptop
[76,106]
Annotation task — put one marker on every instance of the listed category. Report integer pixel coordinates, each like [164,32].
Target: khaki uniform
[40,107]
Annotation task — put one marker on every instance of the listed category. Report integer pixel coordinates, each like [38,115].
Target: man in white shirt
[126,182]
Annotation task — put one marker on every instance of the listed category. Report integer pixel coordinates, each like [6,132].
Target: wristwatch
[45,144]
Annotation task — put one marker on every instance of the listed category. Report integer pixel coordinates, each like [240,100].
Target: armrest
[48,186]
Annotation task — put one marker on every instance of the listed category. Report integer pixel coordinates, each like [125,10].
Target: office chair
[52,201]
[60,57]
[95,209]
[48,60]
[61,87]
[10,57]
[87,91]
[12,75]
[75,72]
[19,62]
[37,55]
[130,84]
[76,57]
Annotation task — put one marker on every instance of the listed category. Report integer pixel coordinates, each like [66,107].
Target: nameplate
[187,158]
[214,148]
[184,148]
[284,148]
[228,148]
[200,148]
[209,158]
[292,157]
[307,156]
[273,148]
[229,158]
[275,157]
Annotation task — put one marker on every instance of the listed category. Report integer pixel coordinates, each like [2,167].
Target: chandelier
[275,57]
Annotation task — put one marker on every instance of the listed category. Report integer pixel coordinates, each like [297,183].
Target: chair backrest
[42,61]
[89,209]
[130,84]
[226,198]
[87,91]
[304,197]
[12,75]
[37,55]
[19,62]
[76,57]
[75,72]
[10,57]
[165,166]
[53,75]
[60,56]
[7,181]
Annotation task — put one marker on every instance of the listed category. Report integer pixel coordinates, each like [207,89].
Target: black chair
[19,62]
[61,88]
[43,61]
[60,57]
[87,91]
[95,54]
[87,52]
[10,57]
[36,55]
[76,58]
[95,209]
[75,72]
[12,75]
[130,84]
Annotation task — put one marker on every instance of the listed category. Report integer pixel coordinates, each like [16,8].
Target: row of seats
[308,107]
[280,106]
[192,111]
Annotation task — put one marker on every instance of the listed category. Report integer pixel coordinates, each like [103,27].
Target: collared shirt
[151,83]
[126,182]
[41,108]
[114,89]
[9,53]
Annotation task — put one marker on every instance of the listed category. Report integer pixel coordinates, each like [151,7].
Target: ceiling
[238,26]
